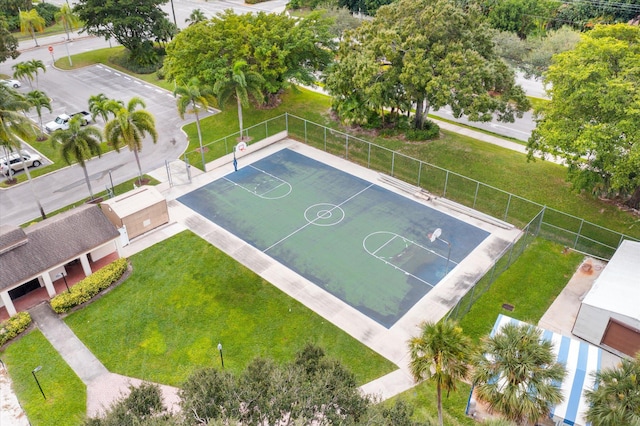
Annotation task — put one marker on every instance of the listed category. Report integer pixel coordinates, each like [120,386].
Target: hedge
[14,326]
[87,288]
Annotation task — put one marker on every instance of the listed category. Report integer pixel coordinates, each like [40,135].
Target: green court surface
[366,245]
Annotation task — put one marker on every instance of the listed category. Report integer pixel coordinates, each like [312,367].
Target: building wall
[146,219]
[111,215]
[592,322]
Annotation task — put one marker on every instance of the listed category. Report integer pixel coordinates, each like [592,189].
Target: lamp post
[435,235]
[221,358]
[34,371]
[64,277]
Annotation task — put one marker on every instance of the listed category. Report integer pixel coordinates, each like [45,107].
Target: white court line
[384,245]
[311,223]
[273,189]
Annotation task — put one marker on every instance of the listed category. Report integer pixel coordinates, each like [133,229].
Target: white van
[13,162]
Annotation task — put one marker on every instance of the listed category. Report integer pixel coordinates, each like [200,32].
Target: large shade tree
[279,48]
[78,144]
[615,399]
[133,24]
[516,374]
[429,54]
[440,354]
[129,127]
[8,43]
[593,119]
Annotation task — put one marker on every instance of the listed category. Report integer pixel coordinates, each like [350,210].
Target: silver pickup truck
[62,121]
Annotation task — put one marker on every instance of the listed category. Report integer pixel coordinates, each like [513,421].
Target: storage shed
[138,211]
[609,315]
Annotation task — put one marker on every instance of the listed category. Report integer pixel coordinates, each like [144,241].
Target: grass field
[184,297]
[66,394]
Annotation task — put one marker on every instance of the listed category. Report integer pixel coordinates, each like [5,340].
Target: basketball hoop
[241,146]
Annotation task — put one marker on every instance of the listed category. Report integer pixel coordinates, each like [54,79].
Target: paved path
[103,387]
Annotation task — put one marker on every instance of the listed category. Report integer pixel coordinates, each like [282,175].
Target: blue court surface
[370,247]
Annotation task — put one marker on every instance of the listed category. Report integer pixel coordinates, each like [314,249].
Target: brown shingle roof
[51,242]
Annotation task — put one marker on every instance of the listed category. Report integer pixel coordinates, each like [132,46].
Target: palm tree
[240,85]
[79,144]
[14,128]
[101,105]
[35,65]
[191,96]
[440,354]
[129,127]
[23,70]
[516,374]
[30,22]
[39,100]
[197,15]
[69,20]
[615,399]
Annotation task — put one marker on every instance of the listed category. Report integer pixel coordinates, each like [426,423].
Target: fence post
[226,147]
[305,132]
[369,157]
[393,161]
[286,122]
[419,172]
[541,214]
[475,197]
[346,148]
[506,210]
[575,243]
[266,129]
[446,181]
[325,138]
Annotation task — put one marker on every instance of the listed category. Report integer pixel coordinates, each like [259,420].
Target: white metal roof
[617,289]
[133,201]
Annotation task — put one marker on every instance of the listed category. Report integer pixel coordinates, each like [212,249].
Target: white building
[609,315]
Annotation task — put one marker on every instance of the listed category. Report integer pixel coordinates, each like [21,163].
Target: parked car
[62,121]
[11,83]
[13,162]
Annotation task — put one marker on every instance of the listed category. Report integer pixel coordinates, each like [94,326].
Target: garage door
[622,337]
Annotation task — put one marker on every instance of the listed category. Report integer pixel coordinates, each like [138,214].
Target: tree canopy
[133,23]
[423,54]
[279,48]
[8,43]
[593,119]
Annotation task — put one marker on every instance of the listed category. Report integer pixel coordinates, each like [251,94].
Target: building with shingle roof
[41,250]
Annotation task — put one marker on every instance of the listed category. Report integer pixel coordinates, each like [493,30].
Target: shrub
[48,12]
[14,326]
[431,131]
[90,286]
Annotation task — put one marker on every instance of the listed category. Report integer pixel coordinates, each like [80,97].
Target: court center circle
[324,214]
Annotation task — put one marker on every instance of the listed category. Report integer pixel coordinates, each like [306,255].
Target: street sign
[51,49]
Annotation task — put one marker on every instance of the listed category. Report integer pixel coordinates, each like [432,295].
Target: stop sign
[51,49]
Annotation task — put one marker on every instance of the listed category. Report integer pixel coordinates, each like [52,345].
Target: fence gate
[178,172]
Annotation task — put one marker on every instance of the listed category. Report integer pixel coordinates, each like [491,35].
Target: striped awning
[580,359]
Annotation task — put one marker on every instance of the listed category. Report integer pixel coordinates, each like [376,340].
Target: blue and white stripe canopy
[580,359]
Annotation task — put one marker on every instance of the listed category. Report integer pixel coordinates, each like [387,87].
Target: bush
[90,286]
[431,131]
[14,326]
[48,12]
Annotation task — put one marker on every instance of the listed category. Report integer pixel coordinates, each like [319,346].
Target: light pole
[64,277]
[221,358]
[34,371]
[435,235]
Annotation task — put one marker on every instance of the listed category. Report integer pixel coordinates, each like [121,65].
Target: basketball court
[372,259]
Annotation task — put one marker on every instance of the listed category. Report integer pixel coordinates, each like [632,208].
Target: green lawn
[66,401]
[184,297]
[531,284]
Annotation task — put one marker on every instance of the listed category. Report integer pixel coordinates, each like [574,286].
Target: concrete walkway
[103,387]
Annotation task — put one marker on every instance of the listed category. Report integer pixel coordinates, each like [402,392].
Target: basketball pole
[235,162]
